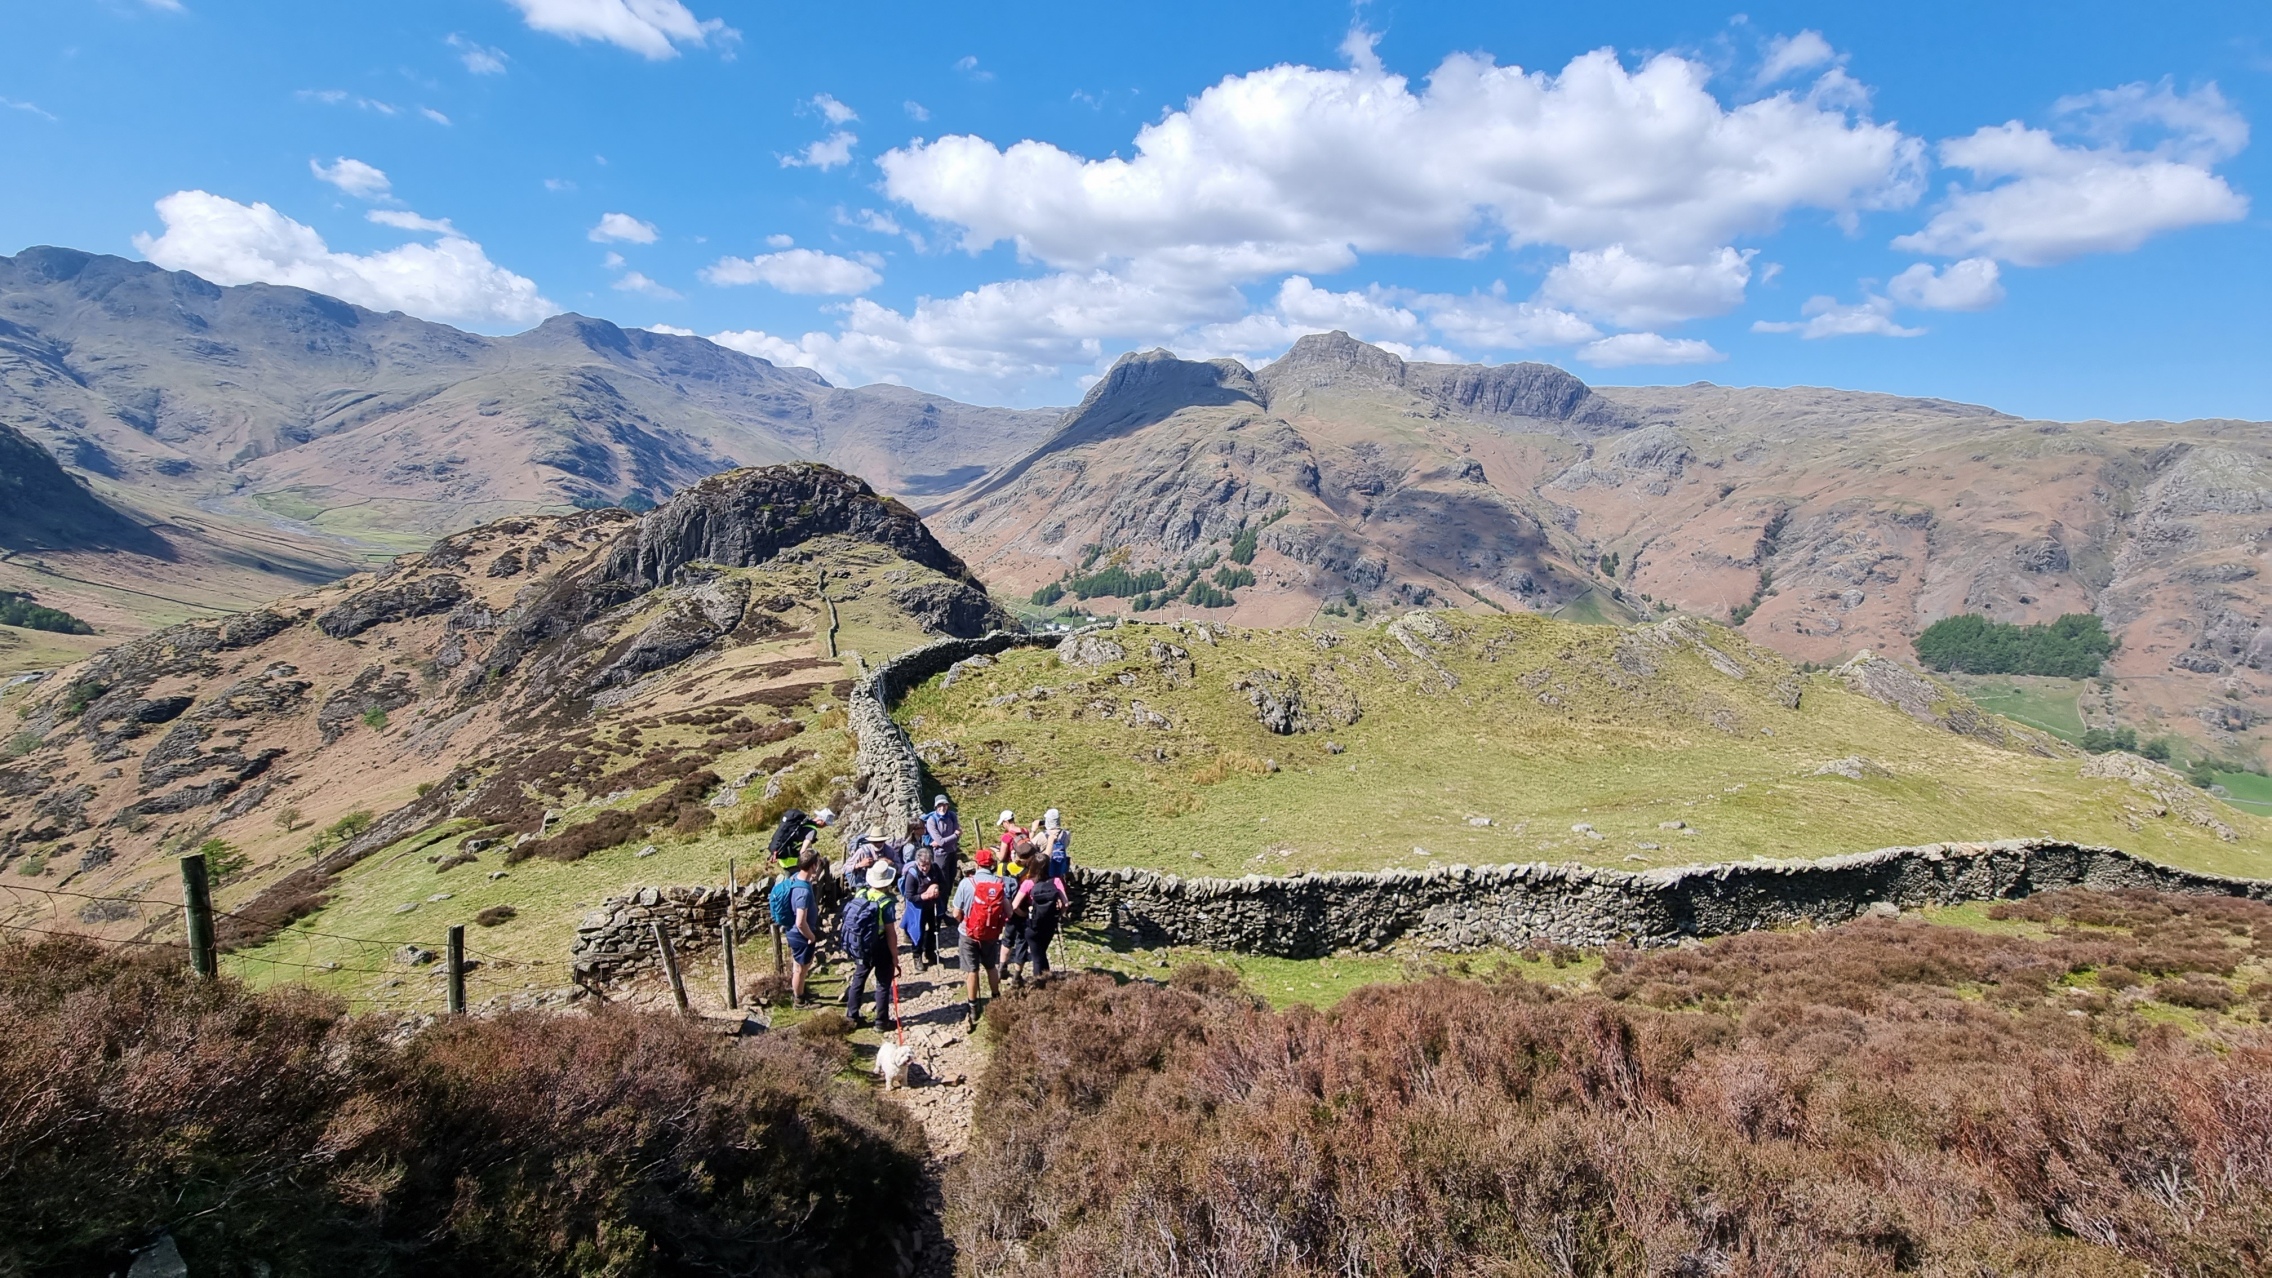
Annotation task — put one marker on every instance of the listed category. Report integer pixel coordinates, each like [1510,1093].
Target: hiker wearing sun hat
[1012,833]
[868,942]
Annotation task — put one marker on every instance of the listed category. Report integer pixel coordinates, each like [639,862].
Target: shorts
[978,954]
[800,949]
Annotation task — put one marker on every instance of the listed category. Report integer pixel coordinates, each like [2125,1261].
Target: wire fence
[405,974]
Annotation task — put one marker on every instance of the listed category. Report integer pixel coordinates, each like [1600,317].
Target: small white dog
[892,1061]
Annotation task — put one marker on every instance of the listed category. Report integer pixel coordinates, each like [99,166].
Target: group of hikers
[1004,906]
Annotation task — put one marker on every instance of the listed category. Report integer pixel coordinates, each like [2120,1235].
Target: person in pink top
[1012,832]
[1040,901]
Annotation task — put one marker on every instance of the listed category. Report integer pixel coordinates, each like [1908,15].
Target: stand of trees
[2072,647]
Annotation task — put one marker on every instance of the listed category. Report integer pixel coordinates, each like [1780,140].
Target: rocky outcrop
[420,597]
[742,518]
[1927,701]
[950,608]
[1535,392]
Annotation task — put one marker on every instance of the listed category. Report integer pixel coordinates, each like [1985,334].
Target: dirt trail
[942,1082]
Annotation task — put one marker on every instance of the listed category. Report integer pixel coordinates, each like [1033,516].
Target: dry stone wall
[1466,907]
[617,940]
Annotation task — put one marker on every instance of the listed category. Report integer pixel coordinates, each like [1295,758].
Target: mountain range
[265,438]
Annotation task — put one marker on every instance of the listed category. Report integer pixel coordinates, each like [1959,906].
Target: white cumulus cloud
[450,279]
[832,110]
[1635,292]
[796,271]
[405,220]
[622,228]
[1828,317]
[1787,55]
[652,29]
[352,176]
[634,282]
[1974,284]
[833,151]
[1626,349]
[1300,169]
[2036,201]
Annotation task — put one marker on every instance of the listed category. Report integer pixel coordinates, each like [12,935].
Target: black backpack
[789,836]
[1043,901]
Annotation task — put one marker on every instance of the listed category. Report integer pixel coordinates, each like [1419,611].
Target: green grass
[2248,791]
[1619,751]
[2043,703]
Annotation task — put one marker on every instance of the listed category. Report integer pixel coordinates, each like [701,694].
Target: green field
[2043,703]
[1550,726]
[2248,791]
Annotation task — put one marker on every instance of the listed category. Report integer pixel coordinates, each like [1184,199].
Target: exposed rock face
[1277,700]
[1927,701]
[420,598]
[950,608]
[1534,392]
[745,517]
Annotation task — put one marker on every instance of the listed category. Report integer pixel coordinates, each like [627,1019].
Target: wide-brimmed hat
[880,875]
[876,834]
[939,802]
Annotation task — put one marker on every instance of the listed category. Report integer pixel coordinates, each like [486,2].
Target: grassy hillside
[1490,739]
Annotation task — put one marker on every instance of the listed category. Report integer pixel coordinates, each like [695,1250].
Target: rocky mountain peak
[1335,358]
[741,518]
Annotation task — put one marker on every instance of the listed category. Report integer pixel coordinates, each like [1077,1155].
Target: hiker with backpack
[1056,844]
[1012,834]
[791,903]
[869,920]
[980,909]
[1014,868]
[945,830]
[795,836]
[1034,911]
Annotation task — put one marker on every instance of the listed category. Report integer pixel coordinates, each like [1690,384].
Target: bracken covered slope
[525,677]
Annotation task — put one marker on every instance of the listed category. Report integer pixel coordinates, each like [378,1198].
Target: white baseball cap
[1006,817]
[824,816]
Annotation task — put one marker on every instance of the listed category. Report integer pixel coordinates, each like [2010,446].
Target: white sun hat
[1049,818]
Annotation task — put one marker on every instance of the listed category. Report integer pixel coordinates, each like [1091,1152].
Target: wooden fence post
[733,893]
[197,905]
[670,963]
[456,950]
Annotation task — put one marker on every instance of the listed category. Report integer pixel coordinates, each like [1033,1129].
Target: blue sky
[2055,209]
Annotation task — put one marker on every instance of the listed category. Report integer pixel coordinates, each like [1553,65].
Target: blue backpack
[784,913]
[860,932]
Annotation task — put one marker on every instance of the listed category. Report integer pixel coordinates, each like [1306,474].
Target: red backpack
[983,921]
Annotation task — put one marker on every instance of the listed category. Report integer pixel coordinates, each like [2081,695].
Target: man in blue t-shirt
[802,933]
